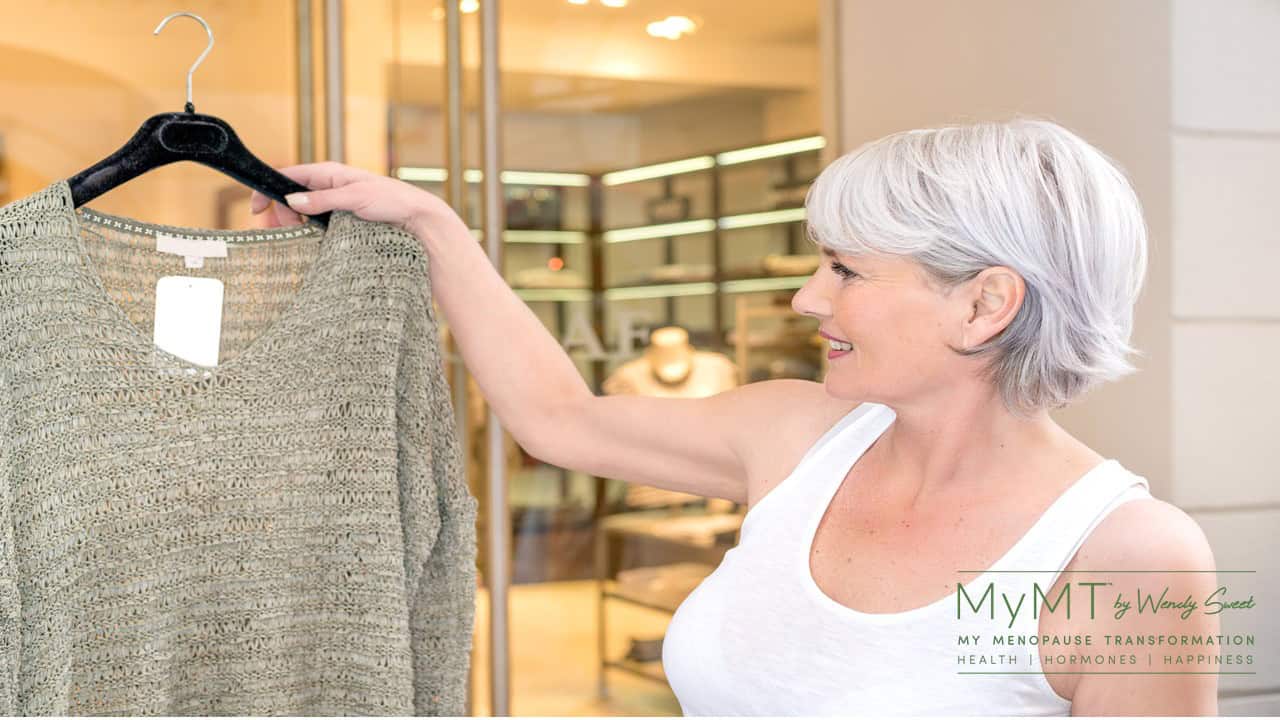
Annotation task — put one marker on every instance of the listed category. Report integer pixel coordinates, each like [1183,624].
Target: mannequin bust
[671,367]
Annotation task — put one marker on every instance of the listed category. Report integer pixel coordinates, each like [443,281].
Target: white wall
[1225,141]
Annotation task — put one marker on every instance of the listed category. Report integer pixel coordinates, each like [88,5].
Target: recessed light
[469,6]
[614,3]
[672,27]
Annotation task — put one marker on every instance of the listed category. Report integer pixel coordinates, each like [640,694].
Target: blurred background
[654,156]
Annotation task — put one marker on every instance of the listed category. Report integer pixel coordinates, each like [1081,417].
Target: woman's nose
[810,300]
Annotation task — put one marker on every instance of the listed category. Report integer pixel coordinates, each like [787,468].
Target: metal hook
[190,107]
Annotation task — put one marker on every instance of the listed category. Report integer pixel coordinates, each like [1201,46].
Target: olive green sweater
[286,533]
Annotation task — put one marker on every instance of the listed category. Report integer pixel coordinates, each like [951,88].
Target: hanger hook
[190,107]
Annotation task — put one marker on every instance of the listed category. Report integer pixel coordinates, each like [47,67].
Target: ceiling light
[469,6]
[672,27]
[614,3]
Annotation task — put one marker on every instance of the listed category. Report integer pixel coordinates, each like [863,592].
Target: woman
[974,278]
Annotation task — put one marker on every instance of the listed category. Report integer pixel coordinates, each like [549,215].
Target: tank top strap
[838,436]
[1046,549]
[819,472]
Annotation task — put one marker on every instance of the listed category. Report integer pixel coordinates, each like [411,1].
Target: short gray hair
[1026,194]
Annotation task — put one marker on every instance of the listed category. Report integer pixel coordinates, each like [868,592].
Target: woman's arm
[700,446]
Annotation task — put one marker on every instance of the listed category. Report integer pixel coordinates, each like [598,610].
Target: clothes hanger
[170,137]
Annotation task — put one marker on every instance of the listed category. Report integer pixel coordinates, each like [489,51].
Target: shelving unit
[599,235]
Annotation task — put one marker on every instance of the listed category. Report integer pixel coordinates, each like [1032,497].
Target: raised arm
[699,446]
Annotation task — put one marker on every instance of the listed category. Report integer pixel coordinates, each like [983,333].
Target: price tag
[189,318]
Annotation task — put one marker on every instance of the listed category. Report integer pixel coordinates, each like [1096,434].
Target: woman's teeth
[838,345]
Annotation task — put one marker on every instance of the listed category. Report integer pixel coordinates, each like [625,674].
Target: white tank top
[759,637]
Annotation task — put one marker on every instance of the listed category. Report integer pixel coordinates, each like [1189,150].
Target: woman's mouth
[839,348]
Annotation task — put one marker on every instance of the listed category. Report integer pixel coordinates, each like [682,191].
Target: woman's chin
[837,388]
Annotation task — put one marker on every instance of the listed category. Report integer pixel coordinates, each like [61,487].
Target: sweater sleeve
[438,514]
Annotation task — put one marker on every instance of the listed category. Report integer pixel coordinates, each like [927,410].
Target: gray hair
[1024,194]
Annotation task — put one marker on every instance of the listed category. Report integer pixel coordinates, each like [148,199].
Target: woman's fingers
[324,175]
[336,187]
[284,216]
[318,201]
[315,176]
[258,202]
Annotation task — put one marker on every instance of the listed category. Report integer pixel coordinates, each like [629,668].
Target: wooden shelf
[702,530]
[651,670]
[661,587]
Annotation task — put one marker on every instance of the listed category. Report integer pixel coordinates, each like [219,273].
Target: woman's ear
[992,299]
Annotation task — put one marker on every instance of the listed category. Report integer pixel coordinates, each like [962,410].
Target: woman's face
[896,322]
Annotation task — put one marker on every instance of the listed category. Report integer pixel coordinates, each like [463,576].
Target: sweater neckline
[138,340]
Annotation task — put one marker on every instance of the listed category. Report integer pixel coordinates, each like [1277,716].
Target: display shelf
[702,530]
[530,288]
[541,237]
[651,670]
[554,295]
[664,290]
[704,225]
[786,279]
[661,587]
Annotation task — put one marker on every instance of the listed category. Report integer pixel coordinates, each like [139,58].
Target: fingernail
[297,199]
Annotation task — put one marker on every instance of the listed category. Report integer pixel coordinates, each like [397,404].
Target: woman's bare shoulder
[787,417]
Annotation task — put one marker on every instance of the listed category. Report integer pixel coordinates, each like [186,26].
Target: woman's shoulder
[1147,533]
[1145,552]
[788,416]
[791,414]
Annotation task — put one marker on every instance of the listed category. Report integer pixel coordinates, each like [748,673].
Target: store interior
[655,155]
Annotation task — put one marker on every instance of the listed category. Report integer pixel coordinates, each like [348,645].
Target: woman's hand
[377,198]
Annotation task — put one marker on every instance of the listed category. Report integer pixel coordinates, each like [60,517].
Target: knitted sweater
[287,532]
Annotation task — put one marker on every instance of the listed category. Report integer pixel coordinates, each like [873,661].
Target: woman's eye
[842,271]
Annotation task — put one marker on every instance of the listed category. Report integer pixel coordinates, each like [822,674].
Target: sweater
[287,532]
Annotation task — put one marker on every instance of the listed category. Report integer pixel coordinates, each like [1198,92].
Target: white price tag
[189,318]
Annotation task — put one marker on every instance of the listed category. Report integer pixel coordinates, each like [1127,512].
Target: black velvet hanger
[170,137]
